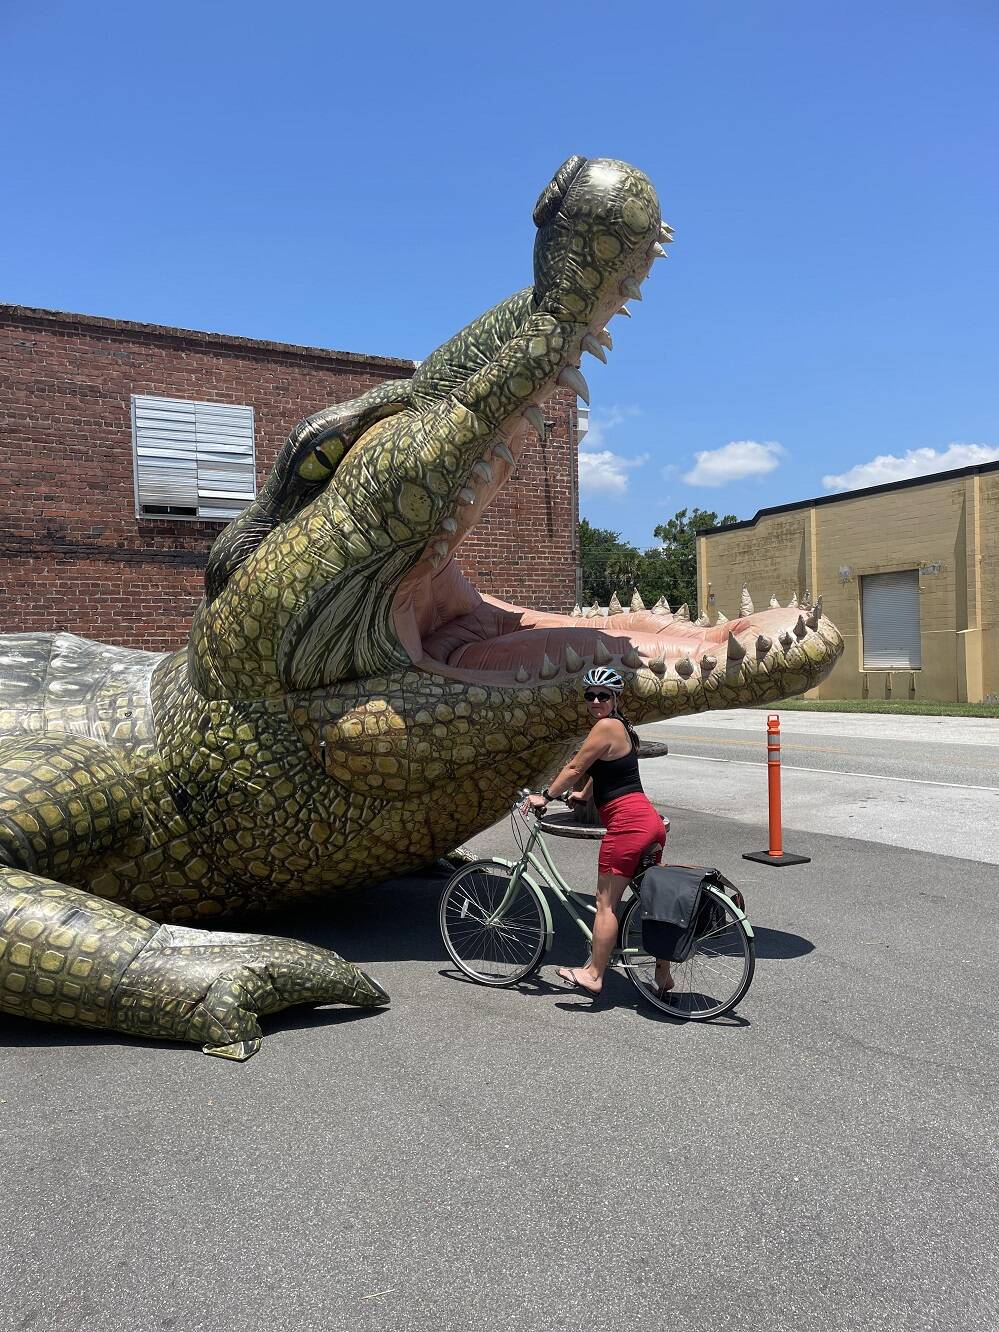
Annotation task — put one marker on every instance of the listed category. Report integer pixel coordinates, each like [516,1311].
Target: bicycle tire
[501,953]
[712,980]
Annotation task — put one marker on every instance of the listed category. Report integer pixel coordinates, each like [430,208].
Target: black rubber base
[765,858]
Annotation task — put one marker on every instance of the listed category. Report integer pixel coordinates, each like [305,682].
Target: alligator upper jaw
[451,629]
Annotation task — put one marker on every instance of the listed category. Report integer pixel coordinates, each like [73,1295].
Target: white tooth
[548,669]
[625,311]
[773,600]
[662,607]
[501,451]
[591,345]
[637,604]
[522,675]
[536,418]
[466,495]
[573,661]
[683,613]
[746,604]
[576,611]
[631,289]
[449,526]
[665,232]
[658,665]
[605,339]
[736,651]
[482,470]
[658,252]
[703,620]
[631,659]
[614,606]
[572,379]
[600,655]
[442,548]
[794,599]
[720,618]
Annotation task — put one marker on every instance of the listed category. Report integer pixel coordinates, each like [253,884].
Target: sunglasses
[598,698]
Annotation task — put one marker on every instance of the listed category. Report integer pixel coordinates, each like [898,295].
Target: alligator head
[338,593]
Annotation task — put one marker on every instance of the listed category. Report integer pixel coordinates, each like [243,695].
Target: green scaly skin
[348,707]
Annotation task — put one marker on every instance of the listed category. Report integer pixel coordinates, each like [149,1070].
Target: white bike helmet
[602,677]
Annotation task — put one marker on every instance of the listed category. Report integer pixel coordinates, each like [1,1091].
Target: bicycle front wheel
[493,934]
[714,977]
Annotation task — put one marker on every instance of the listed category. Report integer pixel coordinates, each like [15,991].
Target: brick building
[908,572]
[74,552]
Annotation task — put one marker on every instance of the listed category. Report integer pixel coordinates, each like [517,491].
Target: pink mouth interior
[445,623]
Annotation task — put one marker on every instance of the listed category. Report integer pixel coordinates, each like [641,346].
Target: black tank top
[615,777]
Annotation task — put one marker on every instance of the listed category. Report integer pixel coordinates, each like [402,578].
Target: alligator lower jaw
[449,628]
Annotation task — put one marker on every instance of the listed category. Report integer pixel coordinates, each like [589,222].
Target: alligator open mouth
[449,627]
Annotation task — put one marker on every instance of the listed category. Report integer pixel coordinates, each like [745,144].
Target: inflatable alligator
[348,705]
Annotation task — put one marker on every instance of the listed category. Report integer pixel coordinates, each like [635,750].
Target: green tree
[668,570]
[678,552]
[608,563]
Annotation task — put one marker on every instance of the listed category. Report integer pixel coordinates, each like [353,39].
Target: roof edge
[100,323]
[929,478]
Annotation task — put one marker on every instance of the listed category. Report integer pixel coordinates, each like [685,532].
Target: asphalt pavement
[473,1158]
[926,783]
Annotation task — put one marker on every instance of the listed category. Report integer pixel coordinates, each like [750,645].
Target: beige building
[908,572]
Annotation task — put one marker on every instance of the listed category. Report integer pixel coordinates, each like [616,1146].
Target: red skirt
[632,826]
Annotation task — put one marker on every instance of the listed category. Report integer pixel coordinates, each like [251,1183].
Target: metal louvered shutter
[192,459]
[890,611]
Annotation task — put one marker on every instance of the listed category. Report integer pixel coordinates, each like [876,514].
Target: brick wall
[73,553]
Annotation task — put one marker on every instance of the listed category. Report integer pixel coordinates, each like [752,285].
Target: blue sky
[362,177]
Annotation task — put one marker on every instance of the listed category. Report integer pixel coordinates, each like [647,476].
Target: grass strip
[911,707]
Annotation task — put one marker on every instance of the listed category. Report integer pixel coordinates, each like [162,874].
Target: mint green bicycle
[496,923]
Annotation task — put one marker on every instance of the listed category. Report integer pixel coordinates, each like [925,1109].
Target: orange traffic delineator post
[776,855]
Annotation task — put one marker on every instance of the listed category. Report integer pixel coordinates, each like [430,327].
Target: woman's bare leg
[610,888]
[664,976]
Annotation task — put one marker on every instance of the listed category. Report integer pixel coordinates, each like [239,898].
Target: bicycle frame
[572,903]
[546,869]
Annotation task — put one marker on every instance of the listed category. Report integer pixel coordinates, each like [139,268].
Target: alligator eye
[555,191]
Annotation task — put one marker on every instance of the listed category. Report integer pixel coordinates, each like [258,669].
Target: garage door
[890,610]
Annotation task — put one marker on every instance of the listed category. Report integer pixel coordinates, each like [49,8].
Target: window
[890,616]
[192,459]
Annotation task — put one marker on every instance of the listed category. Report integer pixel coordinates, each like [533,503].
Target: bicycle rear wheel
[492,948]
[713,978]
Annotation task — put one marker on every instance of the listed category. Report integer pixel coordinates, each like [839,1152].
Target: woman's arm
[596,746]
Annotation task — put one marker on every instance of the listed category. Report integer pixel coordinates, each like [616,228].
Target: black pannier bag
[677,911]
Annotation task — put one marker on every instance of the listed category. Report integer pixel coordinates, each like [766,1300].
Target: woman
[608,763]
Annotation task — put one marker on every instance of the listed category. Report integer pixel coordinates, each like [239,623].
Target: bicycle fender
[735,910]
[538,893]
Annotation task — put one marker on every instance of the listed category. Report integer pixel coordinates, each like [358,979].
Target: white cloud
[603,420]
[733,462]
[604,472]
[601,471]
[888,467]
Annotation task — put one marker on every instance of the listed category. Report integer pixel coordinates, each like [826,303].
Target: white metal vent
[890,616]
[192,459]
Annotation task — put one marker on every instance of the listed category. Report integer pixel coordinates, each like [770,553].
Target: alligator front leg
[67,956]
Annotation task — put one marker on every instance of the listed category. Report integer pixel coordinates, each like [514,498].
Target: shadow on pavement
[774,945]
